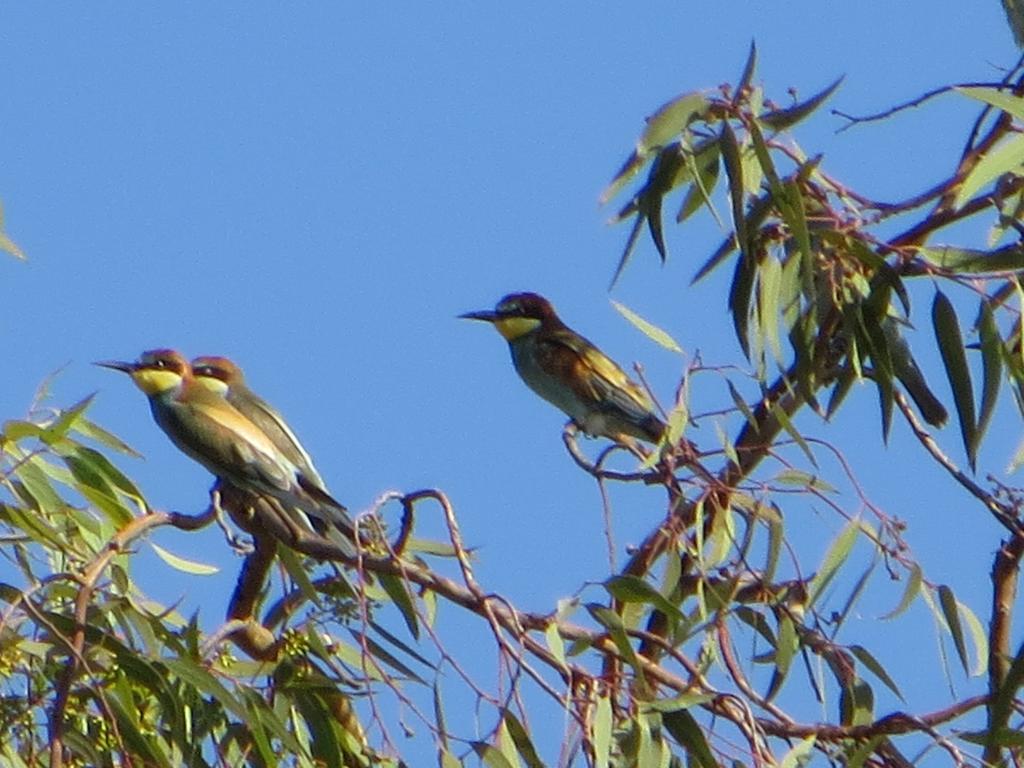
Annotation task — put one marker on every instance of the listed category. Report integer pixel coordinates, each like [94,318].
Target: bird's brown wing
[593,376]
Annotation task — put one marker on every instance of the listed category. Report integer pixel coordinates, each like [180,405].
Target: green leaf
[651,331]
[379,652]
[112,474]
[734,171]
[66,420]
[1000,99]
[951,347]
[869,661]
[769,284]
[1004,737]
[780,415]
[439,718]
[399,593]
[95,432]
[665,125]
[759,211]
[834,559]
[668,122]
[601,735]
[1007,156]
[947,601]
[803,479]
[739,300]
[704,165]
[633,589]
[554,641]
[910,592]
[856,703]
[978,637]
[183,565]
[748,73]
[781,119]
[785,649]
[682,701]
[91,483]
[1009,258]
[798,755]
[682,726]
[206,683]
[522,740]
[992,370]
[297,571]
[147,750]
[33,475]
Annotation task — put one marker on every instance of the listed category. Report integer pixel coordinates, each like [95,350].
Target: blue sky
[317,192]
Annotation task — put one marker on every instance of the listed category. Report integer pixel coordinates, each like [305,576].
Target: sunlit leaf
[670,119]
[948,603]
[978,637]
[1000,99]
[554,641]
[910,591]
[182,564]
[1007,156]
[601,732]
[785,649]
[799,755]
[704,165]
[651,331]
[857,703]
[1009,258]
[836,556]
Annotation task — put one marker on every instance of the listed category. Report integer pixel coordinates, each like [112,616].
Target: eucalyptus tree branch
[136,528]
[1005,576]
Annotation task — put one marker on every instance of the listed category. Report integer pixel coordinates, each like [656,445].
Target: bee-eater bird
[222,376]
[571,373]
[209,429]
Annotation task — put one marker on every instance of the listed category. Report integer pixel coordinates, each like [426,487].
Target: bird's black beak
[117,365]
[487,315]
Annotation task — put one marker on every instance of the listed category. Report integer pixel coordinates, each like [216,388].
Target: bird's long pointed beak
[487,315]
[117,365]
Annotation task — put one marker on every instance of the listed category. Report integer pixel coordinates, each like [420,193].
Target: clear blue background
[316,190]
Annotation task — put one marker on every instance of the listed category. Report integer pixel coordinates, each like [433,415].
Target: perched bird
[571,373]
[223,377]
[209,429]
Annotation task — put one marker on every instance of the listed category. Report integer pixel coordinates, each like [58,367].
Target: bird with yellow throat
[205,425]
[570,372]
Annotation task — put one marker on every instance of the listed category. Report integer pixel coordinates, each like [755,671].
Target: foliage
[708,644]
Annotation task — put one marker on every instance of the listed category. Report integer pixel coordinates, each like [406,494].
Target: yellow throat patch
[154,381]
[514,327]
[213,384]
